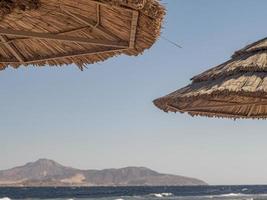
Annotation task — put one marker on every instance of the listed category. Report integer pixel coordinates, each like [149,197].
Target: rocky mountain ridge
[46,172]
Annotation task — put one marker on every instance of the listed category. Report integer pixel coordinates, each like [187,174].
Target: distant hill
[50,173]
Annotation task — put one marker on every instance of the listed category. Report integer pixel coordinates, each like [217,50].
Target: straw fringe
[226,115]
[246,63]
[135,4]
[209,98]
[252,48]
[151,8]
[246,84]
[252,58]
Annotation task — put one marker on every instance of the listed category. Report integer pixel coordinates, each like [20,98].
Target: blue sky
[104,117]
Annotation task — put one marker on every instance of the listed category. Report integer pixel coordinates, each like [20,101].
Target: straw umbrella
[234,89]
[80,32]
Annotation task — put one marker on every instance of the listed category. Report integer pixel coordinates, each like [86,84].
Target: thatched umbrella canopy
[58,32]
[234,89]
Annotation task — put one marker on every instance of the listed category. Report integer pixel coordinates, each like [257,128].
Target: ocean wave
[161,195]
[241,196]
[5,198]
[233,195]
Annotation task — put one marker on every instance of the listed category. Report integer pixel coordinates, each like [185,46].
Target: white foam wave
[161,195]
[237,195]
[232,195]
[5,198]
[119,199]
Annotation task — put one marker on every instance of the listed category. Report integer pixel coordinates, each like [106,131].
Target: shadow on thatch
[59,32]
[234,89]
[8,6]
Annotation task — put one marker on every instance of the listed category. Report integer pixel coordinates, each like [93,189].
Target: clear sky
[104,117]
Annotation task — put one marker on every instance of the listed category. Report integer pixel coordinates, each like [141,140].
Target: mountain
[46,172]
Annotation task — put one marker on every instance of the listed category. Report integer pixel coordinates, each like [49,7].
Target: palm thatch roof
[59,32]
[234,89]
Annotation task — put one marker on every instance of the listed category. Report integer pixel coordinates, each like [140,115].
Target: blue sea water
[258,192]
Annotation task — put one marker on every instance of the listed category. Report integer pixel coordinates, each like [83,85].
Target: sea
[240,192]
